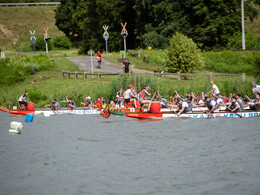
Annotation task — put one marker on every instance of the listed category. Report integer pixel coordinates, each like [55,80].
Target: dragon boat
[194,114]
[51,112]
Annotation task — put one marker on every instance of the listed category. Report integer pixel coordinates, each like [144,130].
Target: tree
[183,55]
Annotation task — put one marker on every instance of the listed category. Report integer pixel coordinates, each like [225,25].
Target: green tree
[183,55]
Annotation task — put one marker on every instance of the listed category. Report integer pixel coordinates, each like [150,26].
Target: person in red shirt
[99,56]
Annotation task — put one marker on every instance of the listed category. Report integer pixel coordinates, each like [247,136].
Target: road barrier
[177,75]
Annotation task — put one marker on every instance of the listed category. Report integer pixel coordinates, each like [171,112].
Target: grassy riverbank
[44,85]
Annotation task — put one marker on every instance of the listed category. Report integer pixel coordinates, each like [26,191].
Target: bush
[62,42]
[17,69]
[41,45]
[182,55]
[235,42]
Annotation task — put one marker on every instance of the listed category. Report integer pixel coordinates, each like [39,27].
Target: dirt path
[84,63]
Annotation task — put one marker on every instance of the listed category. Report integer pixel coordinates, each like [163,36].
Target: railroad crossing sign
[46,38]
[106,36]
[124,33]
[33,39]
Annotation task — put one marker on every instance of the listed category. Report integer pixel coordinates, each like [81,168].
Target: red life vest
[143,94]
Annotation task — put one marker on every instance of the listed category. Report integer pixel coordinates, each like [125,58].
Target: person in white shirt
[184,107]
[215,89]
[22,100]
[255,88]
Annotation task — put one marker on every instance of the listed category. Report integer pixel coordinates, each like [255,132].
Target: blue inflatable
[29,118]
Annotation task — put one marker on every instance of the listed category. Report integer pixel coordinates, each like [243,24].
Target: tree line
[210,23]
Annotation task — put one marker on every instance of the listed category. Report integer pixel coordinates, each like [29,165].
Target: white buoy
[17,131]
[16,127]
[46,114]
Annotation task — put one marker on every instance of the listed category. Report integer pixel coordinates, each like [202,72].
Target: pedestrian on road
[132,66]
[126,66]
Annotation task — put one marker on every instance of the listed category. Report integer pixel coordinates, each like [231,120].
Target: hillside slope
[16,22]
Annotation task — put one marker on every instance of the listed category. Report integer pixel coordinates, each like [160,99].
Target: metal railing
[29,4]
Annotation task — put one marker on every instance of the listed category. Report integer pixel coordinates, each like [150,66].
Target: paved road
[84,63]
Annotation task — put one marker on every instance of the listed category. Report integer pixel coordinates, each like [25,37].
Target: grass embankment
[44,85]
[16,22]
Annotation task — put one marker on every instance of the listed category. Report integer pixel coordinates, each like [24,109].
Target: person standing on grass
[126,66]
[132,66]
[215,89]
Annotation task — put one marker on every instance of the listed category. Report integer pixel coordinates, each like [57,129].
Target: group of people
[179,104]
[128,67]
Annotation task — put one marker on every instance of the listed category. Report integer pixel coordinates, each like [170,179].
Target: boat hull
[146,115]
[51,112]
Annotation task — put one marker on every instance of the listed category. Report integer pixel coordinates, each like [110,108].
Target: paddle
[205,112]
[172,110]
[234,111]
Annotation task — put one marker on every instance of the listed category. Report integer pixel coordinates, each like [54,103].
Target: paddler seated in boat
[54,104]
[183,107]
[22,100]
[72,104]
[103,101]
[143,97]
[254,103]
[88,104]
[164,103]
[211,104]
[133,95]
[235,106]
[120,93]
[219,99]
[239,98]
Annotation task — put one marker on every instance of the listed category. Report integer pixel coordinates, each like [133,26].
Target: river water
[69,154]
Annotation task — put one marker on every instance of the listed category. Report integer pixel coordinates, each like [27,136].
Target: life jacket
[134,92]
[210,107]
[187,109]
[240,106]
[105,113]
[143,94]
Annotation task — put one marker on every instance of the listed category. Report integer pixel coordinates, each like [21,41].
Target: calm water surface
[69,154]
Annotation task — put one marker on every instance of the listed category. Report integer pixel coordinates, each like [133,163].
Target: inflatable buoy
[16,127]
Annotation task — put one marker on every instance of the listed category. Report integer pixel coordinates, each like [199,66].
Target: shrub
[62,42]
[17,69]
[41,45]
[182,55]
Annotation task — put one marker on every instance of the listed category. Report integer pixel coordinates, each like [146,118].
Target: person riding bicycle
[99,56]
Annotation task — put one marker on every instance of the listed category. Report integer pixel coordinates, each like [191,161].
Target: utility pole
[243,25]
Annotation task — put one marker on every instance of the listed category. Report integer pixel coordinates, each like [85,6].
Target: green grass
[222,62]
[18,21]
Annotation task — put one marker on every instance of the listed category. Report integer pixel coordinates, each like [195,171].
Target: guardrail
[29,4]
[177,75]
